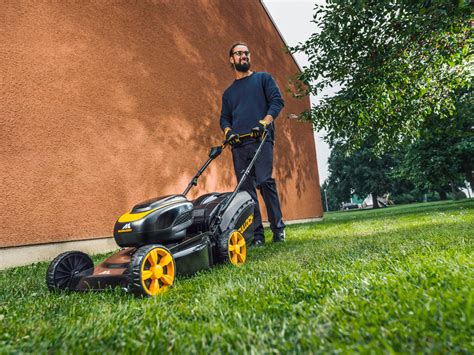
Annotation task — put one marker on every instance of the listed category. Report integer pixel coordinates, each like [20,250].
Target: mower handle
[213,154]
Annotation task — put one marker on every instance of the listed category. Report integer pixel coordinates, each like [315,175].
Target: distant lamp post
[326,199]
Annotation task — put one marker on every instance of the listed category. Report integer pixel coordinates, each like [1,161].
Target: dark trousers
[260,177]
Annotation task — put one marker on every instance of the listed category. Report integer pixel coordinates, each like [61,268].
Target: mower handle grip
[216,151]
[245,136]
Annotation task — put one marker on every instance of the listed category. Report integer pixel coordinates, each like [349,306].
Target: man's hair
[231,52]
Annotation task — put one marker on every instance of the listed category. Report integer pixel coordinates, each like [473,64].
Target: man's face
[241,58]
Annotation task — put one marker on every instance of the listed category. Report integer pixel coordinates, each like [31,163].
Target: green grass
[399,279]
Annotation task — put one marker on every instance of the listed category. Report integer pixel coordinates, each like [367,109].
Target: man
[251,104]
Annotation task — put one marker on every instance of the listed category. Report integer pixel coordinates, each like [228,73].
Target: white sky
[293,19]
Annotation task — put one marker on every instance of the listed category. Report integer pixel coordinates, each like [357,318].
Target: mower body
[167,236]
[184,227]
[162,220]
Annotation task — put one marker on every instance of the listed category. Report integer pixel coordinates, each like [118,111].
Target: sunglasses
[240,53]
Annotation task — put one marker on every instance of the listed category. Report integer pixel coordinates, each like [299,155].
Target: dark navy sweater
[248,100]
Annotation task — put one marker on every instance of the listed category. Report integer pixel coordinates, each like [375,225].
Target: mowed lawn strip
[394,279]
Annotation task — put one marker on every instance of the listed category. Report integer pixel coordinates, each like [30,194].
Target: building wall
[105,104]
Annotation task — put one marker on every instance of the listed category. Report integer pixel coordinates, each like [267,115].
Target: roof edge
[279,33]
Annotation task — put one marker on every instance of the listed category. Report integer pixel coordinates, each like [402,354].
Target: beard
[242,67]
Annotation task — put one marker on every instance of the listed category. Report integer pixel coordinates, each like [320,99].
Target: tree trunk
[443,196]
[453,190]
[468,169]
[470,179]
[375,202]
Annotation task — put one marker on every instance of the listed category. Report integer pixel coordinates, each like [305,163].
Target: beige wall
[106,103]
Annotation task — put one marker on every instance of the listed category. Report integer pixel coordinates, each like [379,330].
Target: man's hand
[258,131]
[232,137]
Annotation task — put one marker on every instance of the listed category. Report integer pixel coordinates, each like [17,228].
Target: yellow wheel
[152,270]
[237,248]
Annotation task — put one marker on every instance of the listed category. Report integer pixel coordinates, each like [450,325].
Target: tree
[397,61]
[338,186]
[465,145]
[438,161]
[363,172]
[443,156]
[431,165]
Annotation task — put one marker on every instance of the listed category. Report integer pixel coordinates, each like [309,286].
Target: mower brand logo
[126,228]
[246,224]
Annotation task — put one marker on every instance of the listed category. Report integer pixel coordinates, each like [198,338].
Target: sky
[293,19]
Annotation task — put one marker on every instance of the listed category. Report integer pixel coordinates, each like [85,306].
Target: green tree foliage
[362,172]
[439,161]
[397,62]
[443,157]
[338,184]
[465,144]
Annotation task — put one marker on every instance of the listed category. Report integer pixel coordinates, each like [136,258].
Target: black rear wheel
[64,267]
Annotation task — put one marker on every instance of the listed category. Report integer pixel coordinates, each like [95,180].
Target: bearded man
[251,104]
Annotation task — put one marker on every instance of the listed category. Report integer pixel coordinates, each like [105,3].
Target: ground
[394,279]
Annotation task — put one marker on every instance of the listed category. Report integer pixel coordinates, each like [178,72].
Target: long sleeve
[273,95]
[226,115]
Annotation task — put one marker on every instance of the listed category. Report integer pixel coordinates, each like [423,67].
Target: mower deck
[192,255]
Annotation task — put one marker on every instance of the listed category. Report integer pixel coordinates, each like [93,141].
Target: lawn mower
[165,237]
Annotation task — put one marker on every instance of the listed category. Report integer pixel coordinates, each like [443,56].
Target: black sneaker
[279,237]
[257,243]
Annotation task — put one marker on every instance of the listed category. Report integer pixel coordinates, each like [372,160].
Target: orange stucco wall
[107,103]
